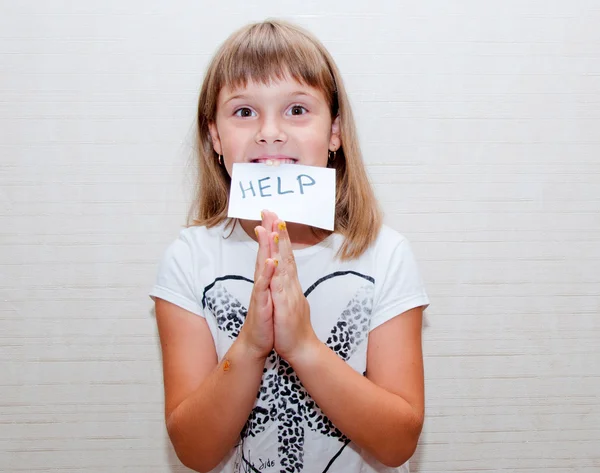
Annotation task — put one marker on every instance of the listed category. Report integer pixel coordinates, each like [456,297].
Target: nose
[270,130]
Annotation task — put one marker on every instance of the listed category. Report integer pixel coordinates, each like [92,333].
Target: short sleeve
[398,285]
[175,281]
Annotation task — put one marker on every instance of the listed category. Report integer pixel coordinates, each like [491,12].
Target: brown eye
[244,112]
[298,110]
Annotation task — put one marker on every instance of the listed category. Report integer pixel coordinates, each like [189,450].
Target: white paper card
[296,193]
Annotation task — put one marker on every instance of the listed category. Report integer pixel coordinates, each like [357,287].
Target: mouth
[274,160]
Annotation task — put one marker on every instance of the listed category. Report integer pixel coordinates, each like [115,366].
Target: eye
[244,112]
[297,110]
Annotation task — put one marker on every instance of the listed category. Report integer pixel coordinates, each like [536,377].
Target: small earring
[220,160]
[332,153]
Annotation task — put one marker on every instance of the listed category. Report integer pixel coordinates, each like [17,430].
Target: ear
[335,140]
[214,136]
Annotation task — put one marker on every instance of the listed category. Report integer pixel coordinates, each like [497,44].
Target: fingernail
[256,231]
[281,226]
[276,238]
[269,162]
[276,262]
[262,215]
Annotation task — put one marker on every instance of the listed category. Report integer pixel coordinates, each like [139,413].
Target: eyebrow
[293,94]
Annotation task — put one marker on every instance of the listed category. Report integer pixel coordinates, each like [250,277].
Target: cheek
[233,142]
[317,134]
[317,143]
[315,153]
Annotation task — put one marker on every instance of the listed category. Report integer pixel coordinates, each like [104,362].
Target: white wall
[480,123]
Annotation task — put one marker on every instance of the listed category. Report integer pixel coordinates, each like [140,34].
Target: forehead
[276,87]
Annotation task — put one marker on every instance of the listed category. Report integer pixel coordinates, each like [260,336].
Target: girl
[287,348]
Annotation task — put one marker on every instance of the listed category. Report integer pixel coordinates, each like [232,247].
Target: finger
[278,288]
[263,282]
[273,225]
[263,249]
[274,246]
[286,253]
[268,218]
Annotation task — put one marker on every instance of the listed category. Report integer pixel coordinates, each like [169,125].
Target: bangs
[266,52]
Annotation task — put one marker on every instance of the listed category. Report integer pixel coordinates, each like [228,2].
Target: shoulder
[202,237]
[386,241]
[393,253]
[196,244]
[399,286]
[389,235]
[389,240]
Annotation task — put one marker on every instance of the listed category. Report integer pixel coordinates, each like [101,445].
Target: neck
[301,235]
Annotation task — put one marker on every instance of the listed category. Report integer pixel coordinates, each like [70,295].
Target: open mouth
[275,161]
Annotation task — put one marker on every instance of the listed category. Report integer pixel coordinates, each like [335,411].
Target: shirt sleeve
[175,281]
[398,285]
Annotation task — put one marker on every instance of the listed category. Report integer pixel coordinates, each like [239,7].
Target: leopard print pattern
[281,395]
[352,327]
[296,404]
[229,312]
[349,332]
[230,315]
[291,410]
[266,409]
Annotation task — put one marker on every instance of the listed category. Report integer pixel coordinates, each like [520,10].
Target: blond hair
[275,49]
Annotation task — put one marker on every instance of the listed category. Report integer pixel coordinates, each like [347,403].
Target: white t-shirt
[210,272]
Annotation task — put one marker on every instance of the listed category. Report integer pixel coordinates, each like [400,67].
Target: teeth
[274,162]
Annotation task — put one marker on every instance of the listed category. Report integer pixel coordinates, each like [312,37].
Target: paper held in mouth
[296,193]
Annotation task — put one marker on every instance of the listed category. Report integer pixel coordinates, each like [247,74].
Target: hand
[293,331]
[257,331]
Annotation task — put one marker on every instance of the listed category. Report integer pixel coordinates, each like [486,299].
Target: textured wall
[481,130]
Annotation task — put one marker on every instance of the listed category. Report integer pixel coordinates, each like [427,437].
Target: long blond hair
[261,52]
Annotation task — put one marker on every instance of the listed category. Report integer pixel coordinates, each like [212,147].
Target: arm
[206,406]
[384,412]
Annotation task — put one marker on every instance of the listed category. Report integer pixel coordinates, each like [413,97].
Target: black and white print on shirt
[281,398]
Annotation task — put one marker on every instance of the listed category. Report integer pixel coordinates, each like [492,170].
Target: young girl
[287,348]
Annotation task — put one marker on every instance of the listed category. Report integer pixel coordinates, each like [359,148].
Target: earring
[220,160]
[332,153]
